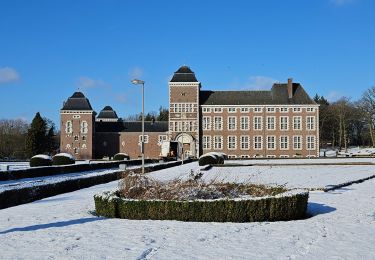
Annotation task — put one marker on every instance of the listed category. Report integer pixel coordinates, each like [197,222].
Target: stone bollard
[122,167]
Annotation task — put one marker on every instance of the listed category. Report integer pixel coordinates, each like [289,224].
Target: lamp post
[141,82]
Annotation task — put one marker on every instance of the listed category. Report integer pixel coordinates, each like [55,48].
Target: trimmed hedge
[289,207]
[211,158]
[121,157]
[62,160]
[40,161]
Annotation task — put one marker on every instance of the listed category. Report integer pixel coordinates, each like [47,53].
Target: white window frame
[244,123]
[206,142]
[310,109]
[258,142]
[299,123]
[258,109]
[244,110]
[297,110]
[269,142]
[218,125]
[232,123]
[206,122]
[270,110]
[218,142]
[271,125]
[140,139]
[162,138]
[84,127]
[244,145]
[310,142]
[258,125]
[68,127]
[218,110]
[284,109]
[310,123]
[232,110]
[232,142]
[206,110]
[299,142]
[284,126]
[284,142]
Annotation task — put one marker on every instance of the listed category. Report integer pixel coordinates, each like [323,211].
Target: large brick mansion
[281,122]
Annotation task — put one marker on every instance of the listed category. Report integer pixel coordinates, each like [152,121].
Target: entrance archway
[188,144]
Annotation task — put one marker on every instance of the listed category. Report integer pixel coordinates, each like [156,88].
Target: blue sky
[50,49]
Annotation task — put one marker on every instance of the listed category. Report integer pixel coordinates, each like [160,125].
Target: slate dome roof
[77,101]
[184,74]
[108,113]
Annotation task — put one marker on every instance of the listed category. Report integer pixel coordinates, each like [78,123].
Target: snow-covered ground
[63,227]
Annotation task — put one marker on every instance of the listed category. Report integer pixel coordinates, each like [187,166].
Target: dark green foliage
[268,209]
[121,157]
[37,161]
[36,136]
[211,159]
[62,160]
[163,114]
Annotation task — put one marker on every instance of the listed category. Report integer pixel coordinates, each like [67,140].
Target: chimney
[290,88]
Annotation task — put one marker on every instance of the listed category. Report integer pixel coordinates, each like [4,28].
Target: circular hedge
[121,157]
[63,159]
[211,158]
[40,160]
[286,206]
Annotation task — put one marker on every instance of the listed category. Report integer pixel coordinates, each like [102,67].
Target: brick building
[281,122]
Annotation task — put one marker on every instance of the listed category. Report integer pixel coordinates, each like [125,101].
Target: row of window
[161,138]
[244,156]
[183,126]
[183,107]
[217,142]
[256,109]
[244,124]
[69,127]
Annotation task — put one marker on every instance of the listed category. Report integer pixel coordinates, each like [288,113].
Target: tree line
[20,140]
[345,123]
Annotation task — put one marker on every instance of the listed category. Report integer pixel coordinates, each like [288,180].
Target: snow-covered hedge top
[212,154]
[42,156]
[122,154]
[65,155]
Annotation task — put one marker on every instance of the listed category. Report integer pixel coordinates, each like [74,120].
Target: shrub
[40,160]
[63,159]
[121,157]
[211,158]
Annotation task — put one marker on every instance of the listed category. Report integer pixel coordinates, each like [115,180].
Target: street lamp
[141,82]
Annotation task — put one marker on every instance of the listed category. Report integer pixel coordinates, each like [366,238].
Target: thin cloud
[341,2]
[136,73]
[87,83]
[255,83]
[8,75]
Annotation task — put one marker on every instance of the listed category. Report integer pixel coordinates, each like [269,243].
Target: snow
[63,227]
[43,156]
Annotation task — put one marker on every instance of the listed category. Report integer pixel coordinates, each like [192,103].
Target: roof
[184,74]
[134,126]
[108,112]
[77,101]
[278,95]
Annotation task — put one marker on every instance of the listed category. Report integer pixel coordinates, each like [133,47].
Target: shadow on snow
[52,225]
[314,209]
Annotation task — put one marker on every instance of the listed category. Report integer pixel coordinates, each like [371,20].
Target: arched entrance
[188,144]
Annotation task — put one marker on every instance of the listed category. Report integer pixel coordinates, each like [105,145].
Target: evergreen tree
[163,114]
[36,136]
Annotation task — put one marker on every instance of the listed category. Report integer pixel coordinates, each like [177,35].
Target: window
[76,150]
[296,109]
[283,109]
[84,127]
[76,138]
[284,142]
[84,138]
[218,110]
[206,110]
[310,142]
[76,116]
[162,138]
[232,123]
[68,127]
[206,142]
[310,123]
[244,142]
[244,123]
[206,123]
[67,146]
[271,139]
[257,110]
[284,123]
[270,123]
[245,156]
[284,156]
[297,123]
[218,123]
[270,109]
[257,122]
[258,140]
[244,109]
[231,156]
[310,109]
[140,139]
[218,142]
[232,110]
[84,146]
[297,142]
[232,142]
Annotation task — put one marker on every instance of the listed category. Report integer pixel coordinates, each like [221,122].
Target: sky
[50,49]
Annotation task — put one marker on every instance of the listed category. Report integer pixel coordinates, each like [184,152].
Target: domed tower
[184,110]
[107,115]
[77,127]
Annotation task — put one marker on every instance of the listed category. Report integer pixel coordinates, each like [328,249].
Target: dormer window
[68,127]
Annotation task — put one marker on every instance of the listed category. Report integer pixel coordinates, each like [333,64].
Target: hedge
[36,161]
[289,206]
[121,157]
[63,169]
[211,158]
[62,160]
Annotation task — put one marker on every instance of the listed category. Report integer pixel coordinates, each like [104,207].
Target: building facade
[280,123]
